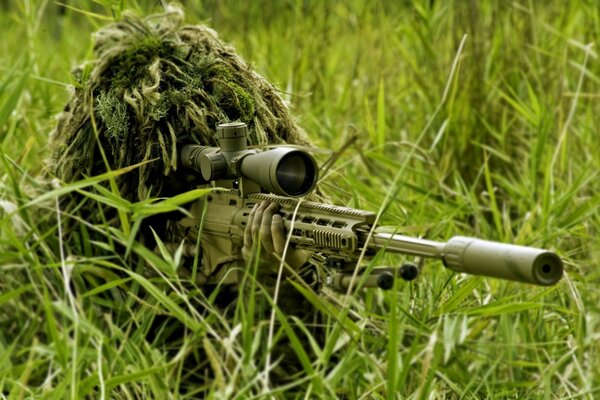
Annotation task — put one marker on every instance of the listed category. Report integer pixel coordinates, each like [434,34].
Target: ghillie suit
[153,86]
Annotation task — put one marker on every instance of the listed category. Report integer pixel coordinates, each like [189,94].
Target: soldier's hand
[266,226]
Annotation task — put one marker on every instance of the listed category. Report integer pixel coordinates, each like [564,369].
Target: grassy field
[477,118]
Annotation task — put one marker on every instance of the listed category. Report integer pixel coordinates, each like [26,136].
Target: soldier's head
[153,86]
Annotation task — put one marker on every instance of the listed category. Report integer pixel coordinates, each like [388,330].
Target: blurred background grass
[510,154]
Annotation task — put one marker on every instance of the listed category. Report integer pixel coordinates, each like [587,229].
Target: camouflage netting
[154,85]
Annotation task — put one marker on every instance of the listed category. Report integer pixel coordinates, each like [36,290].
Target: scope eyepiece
[296,173]
[282,170]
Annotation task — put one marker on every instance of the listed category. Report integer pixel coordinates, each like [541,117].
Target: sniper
[157,110]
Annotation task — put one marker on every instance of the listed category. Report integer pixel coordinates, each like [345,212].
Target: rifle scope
[284,171]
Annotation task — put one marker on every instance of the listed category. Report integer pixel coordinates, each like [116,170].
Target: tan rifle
[340,236]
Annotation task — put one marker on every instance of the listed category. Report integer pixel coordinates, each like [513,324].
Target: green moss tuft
[231,96]
[131,66]
[235,102]
[113,113]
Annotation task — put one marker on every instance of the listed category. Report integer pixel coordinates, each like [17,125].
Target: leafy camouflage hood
[154,85]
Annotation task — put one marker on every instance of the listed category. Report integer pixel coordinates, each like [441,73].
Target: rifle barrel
[478,257]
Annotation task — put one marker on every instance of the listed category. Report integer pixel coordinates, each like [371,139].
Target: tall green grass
[502,146]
